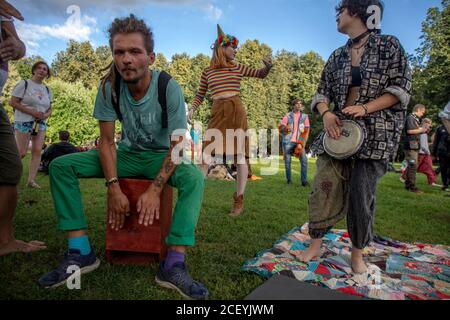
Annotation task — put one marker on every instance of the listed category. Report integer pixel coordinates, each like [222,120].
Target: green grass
[223,243]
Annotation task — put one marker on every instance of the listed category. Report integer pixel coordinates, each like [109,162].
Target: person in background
[441,151]
[32,102]
[425,161]
[295,131]
[56,150]
[411,146]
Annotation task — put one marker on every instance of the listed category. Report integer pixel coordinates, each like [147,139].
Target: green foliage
[72,106]
[79,62]
[161,62]
[13,79]
[431,65]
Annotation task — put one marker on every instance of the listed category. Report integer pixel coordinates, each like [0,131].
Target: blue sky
[190,25]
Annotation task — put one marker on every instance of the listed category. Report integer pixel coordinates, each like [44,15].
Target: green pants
[65,188]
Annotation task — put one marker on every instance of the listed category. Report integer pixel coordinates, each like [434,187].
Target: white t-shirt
[36,97]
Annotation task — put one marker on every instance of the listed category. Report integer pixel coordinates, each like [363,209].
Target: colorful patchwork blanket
[396,270]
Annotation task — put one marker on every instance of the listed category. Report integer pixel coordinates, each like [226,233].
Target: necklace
[356,40]
[357,49]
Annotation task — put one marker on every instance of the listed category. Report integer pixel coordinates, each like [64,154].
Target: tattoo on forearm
[166,171]
[169,166]
[159,182]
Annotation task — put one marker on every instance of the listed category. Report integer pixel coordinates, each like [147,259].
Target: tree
[72,106]
[79,62]
[254,92]
[13,78]
[280,87]
[431,65]
[181,70]
[161,62]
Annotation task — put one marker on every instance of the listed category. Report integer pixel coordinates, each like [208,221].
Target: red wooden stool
[135,243]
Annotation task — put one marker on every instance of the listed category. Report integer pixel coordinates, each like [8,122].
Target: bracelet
[365,109]
[324,113]
[111,181]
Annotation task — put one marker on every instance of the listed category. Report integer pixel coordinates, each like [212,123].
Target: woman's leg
[22,140]
[242,177]
[36,150]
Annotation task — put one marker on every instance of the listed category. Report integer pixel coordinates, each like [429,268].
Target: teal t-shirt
[141,124]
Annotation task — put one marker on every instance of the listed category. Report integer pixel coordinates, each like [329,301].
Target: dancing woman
[223,79]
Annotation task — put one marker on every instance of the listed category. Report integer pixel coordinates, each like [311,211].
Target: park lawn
[223,243]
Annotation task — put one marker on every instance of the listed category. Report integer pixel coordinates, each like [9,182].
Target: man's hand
[11,48]
[118,207]
[8,11]
[148,206]
[287,129]
[298,150]
[332,125]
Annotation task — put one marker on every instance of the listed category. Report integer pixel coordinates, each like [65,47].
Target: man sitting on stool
[144,150]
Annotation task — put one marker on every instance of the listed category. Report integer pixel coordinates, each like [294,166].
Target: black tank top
[356,77]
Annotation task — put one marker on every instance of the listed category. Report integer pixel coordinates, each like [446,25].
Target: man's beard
[132,81]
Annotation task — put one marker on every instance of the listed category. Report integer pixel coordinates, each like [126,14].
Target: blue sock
[80,243]
[172,258]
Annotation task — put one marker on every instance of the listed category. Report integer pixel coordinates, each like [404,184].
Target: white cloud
[76,27]
[56,6]
[213,12]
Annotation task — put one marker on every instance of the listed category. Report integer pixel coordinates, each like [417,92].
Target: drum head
[348,144]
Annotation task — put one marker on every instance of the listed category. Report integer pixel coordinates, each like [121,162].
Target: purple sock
[172,258]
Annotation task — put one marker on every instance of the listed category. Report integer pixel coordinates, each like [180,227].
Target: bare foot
[33,185]
[21,246]
[358,265]
[312,253]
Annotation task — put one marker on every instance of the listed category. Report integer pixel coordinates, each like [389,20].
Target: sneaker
[305,184]
[178,278]
[58,277]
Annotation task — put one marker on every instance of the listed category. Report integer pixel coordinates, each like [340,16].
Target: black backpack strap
[163,81]
[25,90]
[116,100]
